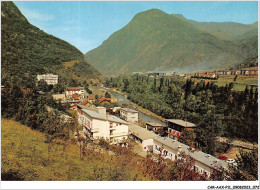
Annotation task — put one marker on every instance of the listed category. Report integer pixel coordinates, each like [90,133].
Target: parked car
[230,161]
[223,157]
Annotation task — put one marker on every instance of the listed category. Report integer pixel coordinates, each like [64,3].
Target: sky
[86,24]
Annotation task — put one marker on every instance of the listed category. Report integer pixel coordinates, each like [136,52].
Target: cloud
[36,15]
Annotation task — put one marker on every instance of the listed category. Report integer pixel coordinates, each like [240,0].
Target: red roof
[75,96]
[91,97]
[74,88]
[100,100]
[253,69]
[84,102]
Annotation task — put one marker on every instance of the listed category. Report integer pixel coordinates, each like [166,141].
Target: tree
[187,137]
[235,78]
[42,86]
[107,95]
[161,132]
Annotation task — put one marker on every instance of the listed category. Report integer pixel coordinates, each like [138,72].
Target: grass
[241,82]
[27,156]
[70,63]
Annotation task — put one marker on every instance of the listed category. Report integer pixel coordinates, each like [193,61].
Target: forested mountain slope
[156,40]
[28,51]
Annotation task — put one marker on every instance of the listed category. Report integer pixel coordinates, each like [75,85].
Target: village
[117,124]
[205,74]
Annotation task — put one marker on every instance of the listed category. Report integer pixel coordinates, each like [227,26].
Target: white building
[48,78]
[80,91]
[172,149]
[143,136]
[59,97]
[97,124]
[161,73]
[129,115]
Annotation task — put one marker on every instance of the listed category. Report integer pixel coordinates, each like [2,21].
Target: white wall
[202,167]
[132,117]
[101,128]
[173,154]
[129,116]
[146,144]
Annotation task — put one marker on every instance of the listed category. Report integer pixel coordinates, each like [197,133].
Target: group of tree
[30,108]
[217,111]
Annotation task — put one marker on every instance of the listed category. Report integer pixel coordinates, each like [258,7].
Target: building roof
[140,132]
[97,115]
[91,97]
[84,102]
[129,110]
[69,101]
[181,122]
[100,100]
[75,96]
[154,124]
[74,88]
[200,156]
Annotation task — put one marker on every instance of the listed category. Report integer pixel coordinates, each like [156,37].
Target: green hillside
[28,51]
[225,30]
[27,155]
[156,40]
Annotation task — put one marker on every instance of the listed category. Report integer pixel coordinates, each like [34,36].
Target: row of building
[156,73]
[211,75]
[98,124]
[248,71]
[172,149]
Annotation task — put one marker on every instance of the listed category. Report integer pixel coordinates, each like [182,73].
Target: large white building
[97,124]
[172,149]
[129,115]
[48,78]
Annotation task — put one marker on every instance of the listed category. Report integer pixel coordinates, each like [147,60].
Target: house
[244,72]
[61,97]
[113,110]
[75,97]
[91,98]
[104,100]
[129,115]
[48,78]
[235,72]
[154,126]
[253,71]
[97,124]
[143,136]
[73,103]
[205,75]
[172,149]
[177,126]
[75,93]
[227,72]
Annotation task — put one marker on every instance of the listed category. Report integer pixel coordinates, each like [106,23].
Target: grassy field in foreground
[26,156]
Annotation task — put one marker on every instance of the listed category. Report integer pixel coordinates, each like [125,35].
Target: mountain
[154,40]
[28,51]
